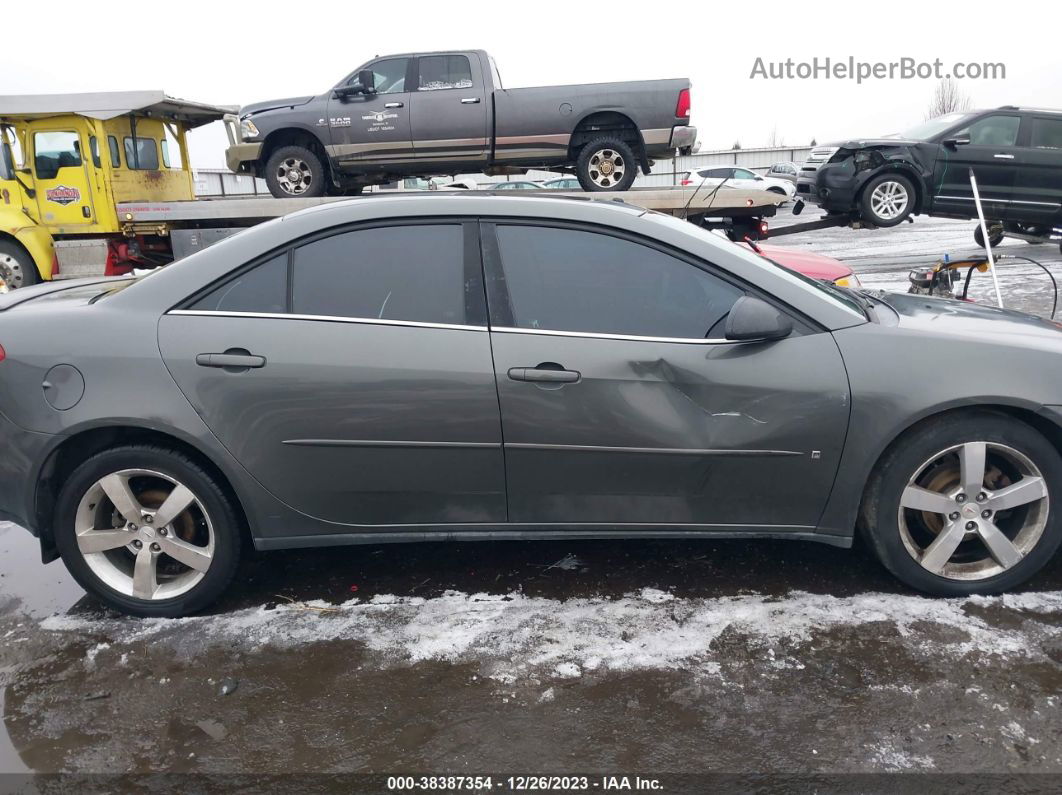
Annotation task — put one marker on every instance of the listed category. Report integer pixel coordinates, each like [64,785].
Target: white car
[739,178]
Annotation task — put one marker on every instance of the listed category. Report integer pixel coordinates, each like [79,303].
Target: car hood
[864,143]
[974,321]
[273,104]
[808,263]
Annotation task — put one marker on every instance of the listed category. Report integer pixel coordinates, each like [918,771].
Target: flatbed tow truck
[88,187]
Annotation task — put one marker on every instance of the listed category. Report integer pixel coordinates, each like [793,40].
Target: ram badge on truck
[428,114]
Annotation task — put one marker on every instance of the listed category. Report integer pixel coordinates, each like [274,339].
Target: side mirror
[955,143]
[342,92]
[7,162]
[751,319]
[367,81]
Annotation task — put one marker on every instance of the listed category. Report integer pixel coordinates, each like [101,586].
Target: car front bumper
[241,158]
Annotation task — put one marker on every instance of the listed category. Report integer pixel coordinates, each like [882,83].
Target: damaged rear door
[622,404]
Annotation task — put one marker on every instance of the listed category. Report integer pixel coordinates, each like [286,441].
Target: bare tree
[813,142]
[947,98]
[774,140]
[737,145]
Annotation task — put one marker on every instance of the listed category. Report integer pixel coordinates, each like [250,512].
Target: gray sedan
[438,367]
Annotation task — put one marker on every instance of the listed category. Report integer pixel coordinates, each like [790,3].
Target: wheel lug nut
[985,514]
[156,548]
[961,498]
[971,525]
[982,497]
[954,516]
[137,544]
[163,531]
[132,527]
[148,520]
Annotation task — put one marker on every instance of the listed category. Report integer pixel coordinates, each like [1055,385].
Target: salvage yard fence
[216,183]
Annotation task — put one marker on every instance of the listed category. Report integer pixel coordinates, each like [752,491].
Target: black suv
[1016,154]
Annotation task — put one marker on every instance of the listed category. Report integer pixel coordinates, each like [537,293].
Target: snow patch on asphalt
[515,634]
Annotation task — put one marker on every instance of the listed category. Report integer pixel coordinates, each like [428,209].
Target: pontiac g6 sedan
[414,368]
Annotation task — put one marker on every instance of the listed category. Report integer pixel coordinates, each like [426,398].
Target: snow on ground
[515,635]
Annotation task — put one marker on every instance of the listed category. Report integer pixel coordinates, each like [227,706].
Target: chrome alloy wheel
[294,176]
[144,534]
[606,167]
[973,511]
[11,274]
[889,200]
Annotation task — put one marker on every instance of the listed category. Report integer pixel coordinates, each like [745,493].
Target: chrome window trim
[365,321]
[598,336]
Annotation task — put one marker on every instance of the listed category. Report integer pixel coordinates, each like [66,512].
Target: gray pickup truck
[428,114]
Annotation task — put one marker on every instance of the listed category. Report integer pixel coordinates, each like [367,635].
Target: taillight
[687,182]
[682,109]
[3,353]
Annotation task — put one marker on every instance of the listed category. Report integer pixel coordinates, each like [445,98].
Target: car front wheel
[887,200]
[148,531]
[294,172]
[963,504]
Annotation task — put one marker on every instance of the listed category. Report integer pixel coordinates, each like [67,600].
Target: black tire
[299,159]
[880,521]
[866,200]
[995,234]
[217,505]
[591,177]
[17,268]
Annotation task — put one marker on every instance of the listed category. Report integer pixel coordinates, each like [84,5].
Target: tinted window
[94,147]
[264,288]
[439,72]
[116,158]
[389,76]
[715,173]
[53,151]
[571,280]
[392,273]
[993,131]
[145,155]
[1046,134]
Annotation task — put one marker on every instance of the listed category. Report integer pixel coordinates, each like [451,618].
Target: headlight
[247,129]
[851,280]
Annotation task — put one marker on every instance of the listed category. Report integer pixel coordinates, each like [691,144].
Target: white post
[984,235]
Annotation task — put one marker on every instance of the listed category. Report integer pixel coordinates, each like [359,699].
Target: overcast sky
[241,52]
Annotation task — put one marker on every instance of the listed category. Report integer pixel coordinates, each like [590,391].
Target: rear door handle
[1003,157]
[544,375]
[470,101]
[394,104]
[231,360]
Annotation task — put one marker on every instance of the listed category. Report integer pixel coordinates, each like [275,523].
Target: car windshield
[833,294]
[933,127]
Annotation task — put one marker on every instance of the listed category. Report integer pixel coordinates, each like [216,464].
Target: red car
[808,263]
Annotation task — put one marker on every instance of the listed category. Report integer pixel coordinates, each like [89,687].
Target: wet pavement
[624,657]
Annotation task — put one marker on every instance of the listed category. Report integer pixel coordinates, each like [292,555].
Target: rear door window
[441,72]
[263,288]
[1046,133]
[411,273]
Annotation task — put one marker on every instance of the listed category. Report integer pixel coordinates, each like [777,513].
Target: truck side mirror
[367,80]
[7,162]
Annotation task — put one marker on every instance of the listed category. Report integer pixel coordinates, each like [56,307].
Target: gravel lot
[633,657]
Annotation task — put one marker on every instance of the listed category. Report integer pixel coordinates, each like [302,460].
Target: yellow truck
[100,185]
[69,162]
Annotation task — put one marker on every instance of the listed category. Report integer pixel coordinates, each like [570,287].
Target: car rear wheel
[295,172]
[962,505]
[147,531]
[887,200]
[17,268]
[606,164]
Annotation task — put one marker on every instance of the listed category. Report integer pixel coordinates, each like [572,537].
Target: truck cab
[68,160]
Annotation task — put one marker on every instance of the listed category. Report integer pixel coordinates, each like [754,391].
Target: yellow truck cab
[67,161]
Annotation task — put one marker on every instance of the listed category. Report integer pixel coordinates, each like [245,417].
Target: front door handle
[545,373]
[394,104]
[234,360]
[1003,157]
[470,101]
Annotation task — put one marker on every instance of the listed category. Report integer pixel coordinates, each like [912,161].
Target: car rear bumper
[242,158]
[683,137]
[22,453]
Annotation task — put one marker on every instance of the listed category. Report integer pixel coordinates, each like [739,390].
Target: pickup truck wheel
[887,200]
[606,163]
[295,172]
[17,268]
